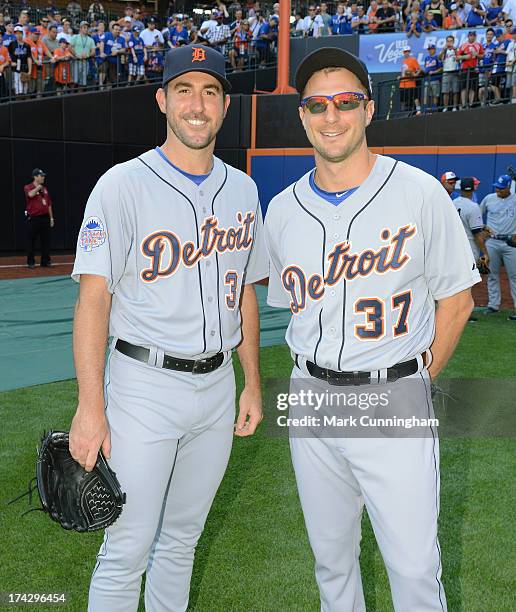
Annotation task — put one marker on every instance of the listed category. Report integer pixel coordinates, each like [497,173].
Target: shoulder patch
[92,235]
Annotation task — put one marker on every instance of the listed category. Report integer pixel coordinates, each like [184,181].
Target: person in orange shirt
[5,61]
[63,69]
[409,89]
[43,27]
[40,56]
[452,21]
[371,13]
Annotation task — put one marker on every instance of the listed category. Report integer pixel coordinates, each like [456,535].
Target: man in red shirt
[40,218]
[469,54]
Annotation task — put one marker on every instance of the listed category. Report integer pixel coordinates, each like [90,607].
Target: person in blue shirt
[499,67]
[493,13]
[9,35]
[429,23]
[100,53]
[137,56]
[413,26]
[486,66]
[114,48]
[476,14]
[176,34]
[432,67]
[263,42]
[341,23]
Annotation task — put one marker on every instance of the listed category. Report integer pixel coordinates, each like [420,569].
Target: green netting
[36,329]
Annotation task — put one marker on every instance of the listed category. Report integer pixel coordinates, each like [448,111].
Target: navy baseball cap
[467,183]
[498,32]
[431,46]
[34,31]
[136,28]
[38,172]
[331,57]
[195,58]
[502,182]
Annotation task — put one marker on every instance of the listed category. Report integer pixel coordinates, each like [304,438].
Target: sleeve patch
[92,235]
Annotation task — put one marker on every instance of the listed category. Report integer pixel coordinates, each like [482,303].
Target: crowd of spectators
[54,50]
[414,17]
[458,77]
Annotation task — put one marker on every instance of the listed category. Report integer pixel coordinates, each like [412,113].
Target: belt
[333,377]
[195,366]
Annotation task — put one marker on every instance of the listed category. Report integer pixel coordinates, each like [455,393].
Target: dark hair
[490,30]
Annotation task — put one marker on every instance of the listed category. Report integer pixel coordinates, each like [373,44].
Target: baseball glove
[482,266]
[73,497]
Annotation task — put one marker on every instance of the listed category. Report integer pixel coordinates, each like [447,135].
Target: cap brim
[226,85]
[329,57]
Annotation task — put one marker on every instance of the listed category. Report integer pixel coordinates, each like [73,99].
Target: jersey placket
[209,277]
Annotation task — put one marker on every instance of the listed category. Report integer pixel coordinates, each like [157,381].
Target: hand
[88,433]
[51,222]
[485,259]
[250,406]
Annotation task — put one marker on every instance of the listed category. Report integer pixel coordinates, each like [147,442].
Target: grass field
[254,555]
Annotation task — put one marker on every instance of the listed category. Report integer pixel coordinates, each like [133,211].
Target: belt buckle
[346,379]
[199,366]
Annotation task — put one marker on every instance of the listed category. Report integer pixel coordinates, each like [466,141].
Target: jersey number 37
[373,309]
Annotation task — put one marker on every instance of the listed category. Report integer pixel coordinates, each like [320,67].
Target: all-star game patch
[93,234]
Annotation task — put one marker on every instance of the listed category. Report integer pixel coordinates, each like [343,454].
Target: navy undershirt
[195,178]
[333,197]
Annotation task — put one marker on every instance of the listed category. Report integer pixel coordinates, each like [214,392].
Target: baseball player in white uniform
[499,209]
[166,257]
[361,248]
[471,217]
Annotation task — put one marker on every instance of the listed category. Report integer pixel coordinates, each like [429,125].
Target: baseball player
[499,209]
[449,181]
[471,217]
[361,247]
[170,246]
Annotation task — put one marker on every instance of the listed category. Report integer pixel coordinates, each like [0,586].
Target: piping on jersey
[316,283]
[197,232]
[217,255]
[347,238]
[322,265]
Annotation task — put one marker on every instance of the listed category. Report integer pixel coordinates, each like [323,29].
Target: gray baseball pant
[171,436]
[398,480]
[499,251]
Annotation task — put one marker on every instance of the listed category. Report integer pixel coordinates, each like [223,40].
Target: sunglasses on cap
[345,101]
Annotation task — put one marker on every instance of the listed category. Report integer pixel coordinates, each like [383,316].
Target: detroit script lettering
[165,246]
[343,264]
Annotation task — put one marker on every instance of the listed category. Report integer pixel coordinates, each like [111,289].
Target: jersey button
[210,299]
[335,236]
[332,330]
[208,263]
[212,333]
[201,193]
[204,209]
[332,293]
[336,217]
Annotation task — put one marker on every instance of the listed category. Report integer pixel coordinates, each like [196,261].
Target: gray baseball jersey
[471,217]
[175,255]
[500,213]
[361,278]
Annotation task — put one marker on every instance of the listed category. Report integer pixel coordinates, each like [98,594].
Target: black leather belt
[333,377]
[199,366]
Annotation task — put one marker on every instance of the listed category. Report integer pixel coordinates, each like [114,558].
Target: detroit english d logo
[198,55]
